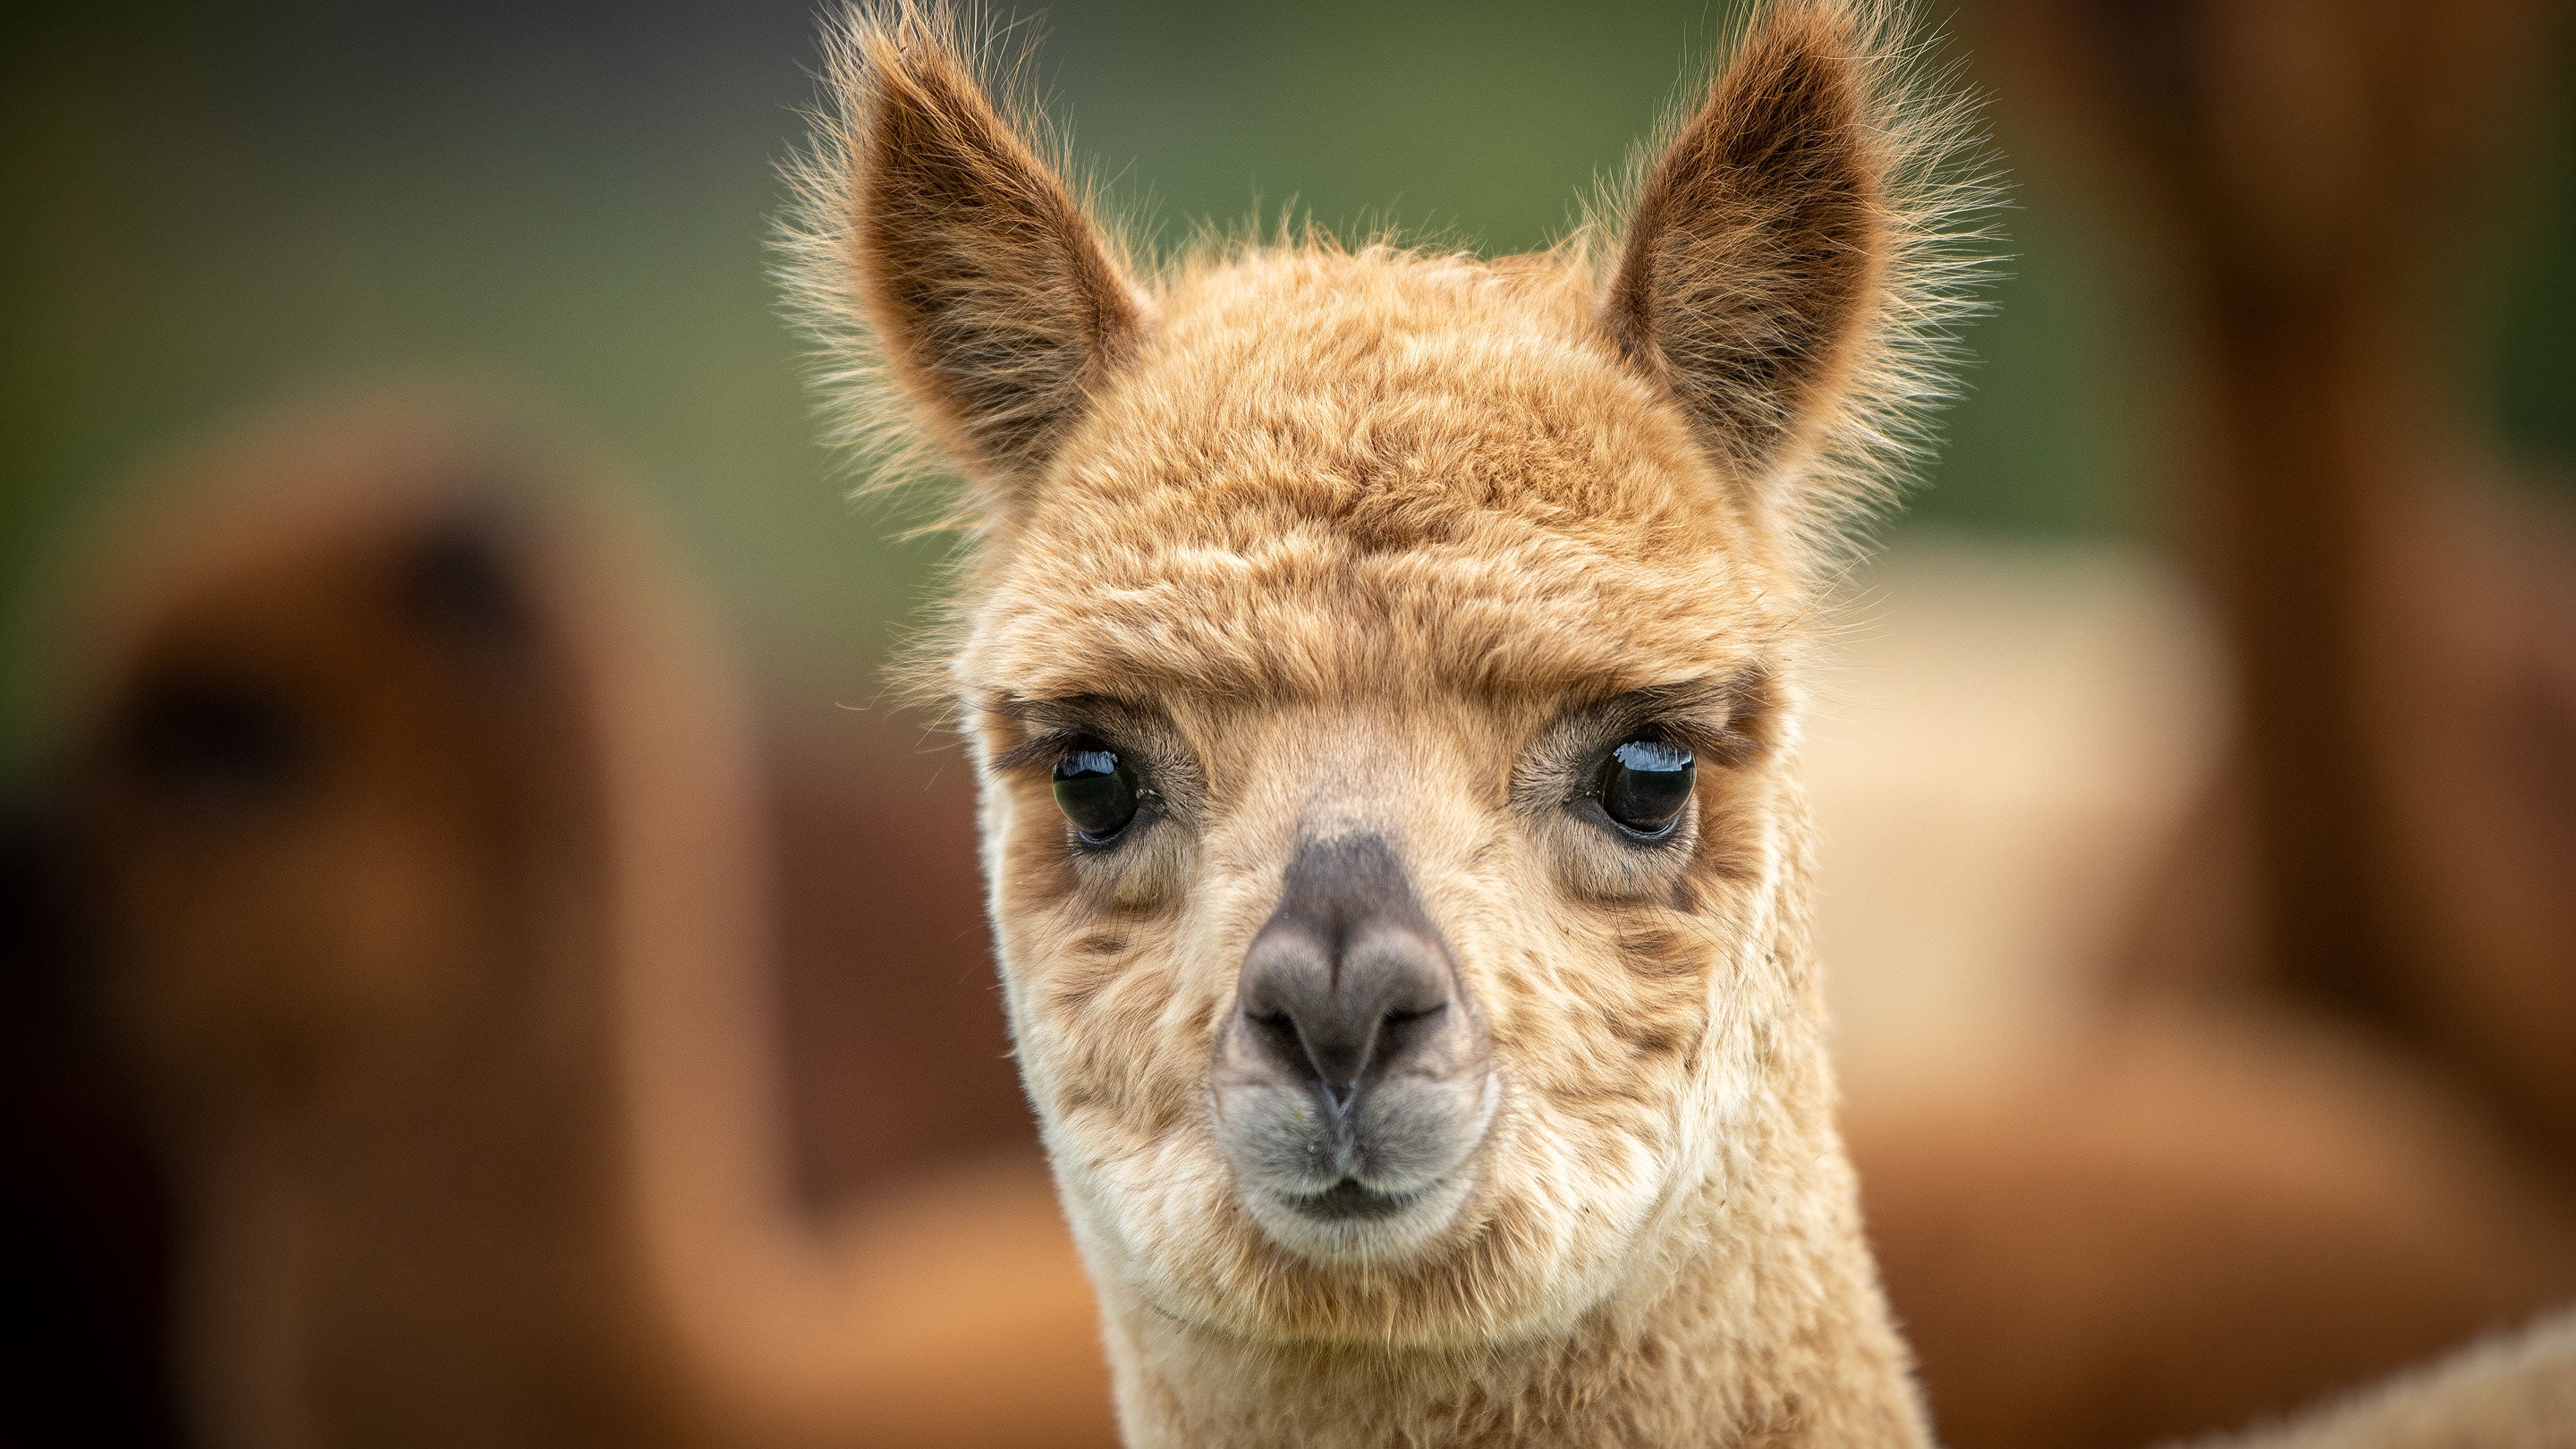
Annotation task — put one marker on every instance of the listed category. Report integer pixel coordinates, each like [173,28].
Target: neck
[1755,1317]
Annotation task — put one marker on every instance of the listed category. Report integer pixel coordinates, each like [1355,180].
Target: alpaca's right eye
[1096,790]
[1644,785]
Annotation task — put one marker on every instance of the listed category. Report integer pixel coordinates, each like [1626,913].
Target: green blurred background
[217,207]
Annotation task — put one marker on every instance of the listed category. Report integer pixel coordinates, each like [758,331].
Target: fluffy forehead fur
[1334,474]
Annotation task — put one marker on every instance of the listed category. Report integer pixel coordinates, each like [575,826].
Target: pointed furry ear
[1757,246]
[991,297]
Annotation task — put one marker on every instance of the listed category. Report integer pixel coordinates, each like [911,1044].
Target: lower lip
[1348,1201]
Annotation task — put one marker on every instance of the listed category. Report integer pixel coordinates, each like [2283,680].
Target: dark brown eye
[1096,790]
[1644,785]
[211,740]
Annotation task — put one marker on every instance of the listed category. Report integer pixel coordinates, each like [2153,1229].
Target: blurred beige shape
[2103,1220]
[2008,733]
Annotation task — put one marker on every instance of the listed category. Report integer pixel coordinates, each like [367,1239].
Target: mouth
[1380,1180]
[1351,1200]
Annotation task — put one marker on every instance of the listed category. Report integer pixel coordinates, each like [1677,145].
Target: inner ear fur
[994,300]
[1757,247]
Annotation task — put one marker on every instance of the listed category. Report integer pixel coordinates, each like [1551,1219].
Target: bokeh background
[2031,754]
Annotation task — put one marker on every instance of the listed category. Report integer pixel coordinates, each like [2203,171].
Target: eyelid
[1166,770]
[1042,749]
[1706,729]
[1708,717]
[1594,773]
[1712,739]
[1716,720]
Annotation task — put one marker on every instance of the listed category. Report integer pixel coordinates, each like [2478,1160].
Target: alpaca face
[1379,720]
[1382,668]
[298,811]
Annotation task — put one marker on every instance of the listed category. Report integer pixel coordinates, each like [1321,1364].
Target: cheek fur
[1658,1014]
[1735,810]
[1037,866]
[1603,1030]
[1121,1046]
[1636,982]
[1049,871]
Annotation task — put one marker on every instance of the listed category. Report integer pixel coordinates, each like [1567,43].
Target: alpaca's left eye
[1643,786]
[211,739]
[1096,790]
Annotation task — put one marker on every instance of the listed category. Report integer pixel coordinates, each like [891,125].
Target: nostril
[1282,1042]
[1276,1027]
[1403,1031]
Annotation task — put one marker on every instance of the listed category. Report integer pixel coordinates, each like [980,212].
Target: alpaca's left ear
[1756,253]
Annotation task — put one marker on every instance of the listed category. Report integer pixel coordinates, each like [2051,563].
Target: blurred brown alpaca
[2395,846]
[413,838]
[2374,914]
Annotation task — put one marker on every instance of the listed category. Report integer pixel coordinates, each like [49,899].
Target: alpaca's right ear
[995,301]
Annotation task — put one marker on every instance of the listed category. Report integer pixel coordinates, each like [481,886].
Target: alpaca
[1385,673]
[404,824]
[323,787]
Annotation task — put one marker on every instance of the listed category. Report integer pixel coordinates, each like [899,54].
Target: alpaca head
[316,728]
[1384,669]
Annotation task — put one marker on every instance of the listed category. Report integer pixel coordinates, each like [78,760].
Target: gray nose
[1348,981]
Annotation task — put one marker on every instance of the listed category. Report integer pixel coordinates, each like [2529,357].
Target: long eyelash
[1723,745]
[1713,722]
[1720,722]
[1053,745]
[1042,749]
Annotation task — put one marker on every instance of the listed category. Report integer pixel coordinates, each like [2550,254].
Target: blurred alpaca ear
[1757,246]
[995,302]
